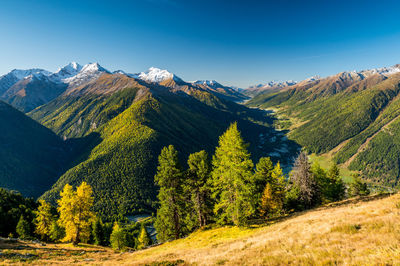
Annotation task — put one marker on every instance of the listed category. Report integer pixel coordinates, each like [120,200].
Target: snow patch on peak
[87,73]
[156,75]
[21,74]
[211,83]
[385,71]
[313,78]
[93,67]
[66,72]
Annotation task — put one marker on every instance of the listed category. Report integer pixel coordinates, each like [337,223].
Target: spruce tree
[170,215]
[336,190]
[98,232]
[197,186]
[233,182]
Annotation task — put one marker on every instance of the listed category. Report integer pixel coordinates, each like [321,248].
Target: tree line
[229,190]
[72,221]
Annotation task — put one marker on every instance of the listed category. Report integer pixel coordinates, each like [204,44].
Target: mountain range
[28,89]
[112,126]
[86,123]
[351,117]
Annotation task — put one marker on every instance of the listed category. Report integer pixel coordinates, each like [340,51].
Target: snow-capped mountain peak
[66,72]
[87,72]
[385,71]
[210,83]
[20,74]
[156,75]
[93,67]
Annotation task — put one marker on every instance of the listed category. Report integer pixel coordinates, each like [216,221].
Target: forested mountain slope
[352,115]
[128,121]
[31,156]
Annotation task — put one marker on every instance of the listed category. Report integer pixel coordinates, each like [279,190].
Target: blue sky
[235,42]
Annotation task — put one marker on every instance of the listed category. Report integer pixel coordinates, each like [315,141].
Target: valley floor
[354,232]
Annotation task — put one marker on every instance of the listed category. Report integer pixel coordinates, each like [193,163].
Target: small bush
[346,228]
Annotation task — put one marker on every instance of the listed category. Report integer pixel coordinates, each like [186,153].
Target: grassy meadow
[356,231]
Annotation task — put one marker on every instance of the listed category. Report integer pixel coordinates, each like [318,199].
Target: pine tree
[23,228]
[98,232]
[143,239]
[169,222]
[75,214]
[197,186]
[233,181]
[304,179]
[56,231]
[43,220]
[118,237]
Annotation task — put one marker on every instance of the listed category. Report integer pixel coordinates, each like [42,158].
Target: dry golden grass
[353,232]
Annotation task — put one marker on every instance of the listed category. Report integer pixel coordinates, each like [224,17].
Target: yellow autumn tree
[43,220]
[273,194]
[75,212]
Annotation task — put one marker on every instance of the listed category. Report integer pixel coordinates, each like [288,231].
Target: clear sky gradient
[235,42]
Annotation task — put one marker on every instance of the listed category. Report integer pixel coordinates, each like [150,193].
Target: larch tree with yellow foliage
[44,219]
[75,212]
[274,193]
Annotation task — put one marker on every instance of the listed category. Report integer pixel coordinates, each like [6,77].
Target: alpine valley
[85,123]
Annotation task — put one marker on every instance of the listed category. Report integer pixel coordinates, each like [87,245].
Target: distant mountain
[220,90]
[33,91]
[270,86]
[157,75]
[28,89]
[129,120]
[87,73]
[353,116]
[68,71]
[8,80]
[31,156]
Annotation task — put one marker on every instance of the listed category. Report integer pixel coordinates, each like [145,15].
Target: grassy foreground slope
[353,232]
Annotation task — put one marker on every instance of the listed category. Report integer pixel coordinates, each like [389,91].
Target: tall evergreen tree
[337,189]
[198,187]
[304,179]
[98,232]
[170,215]
[75,212]
[233,181]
